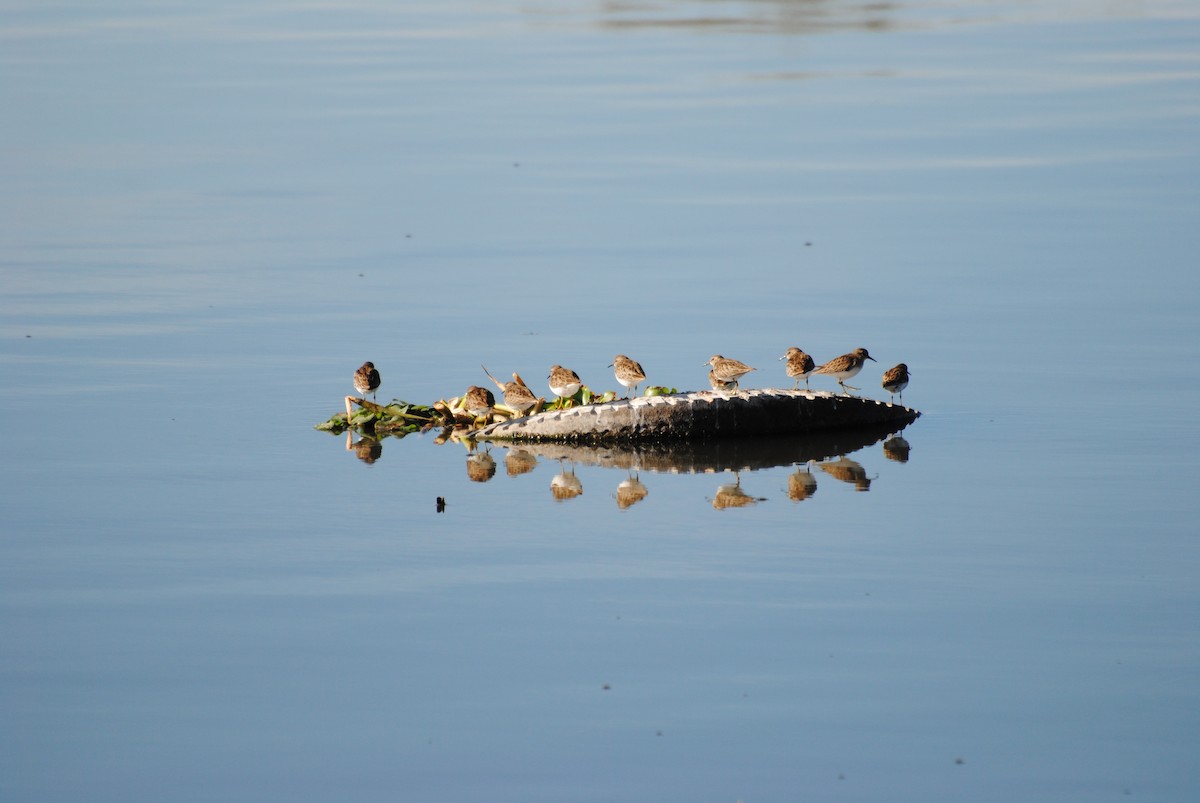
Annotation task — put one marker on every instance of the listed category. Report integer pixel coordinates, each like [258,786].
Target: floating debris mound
[700,415]
[670,416]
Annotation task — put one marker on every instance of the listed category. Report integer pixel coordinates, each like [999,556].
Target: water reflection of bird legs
[565,485]
[481,466]
[896,448]
[802,484]
[728,496]
[519,461]
[630,492]
[849,471]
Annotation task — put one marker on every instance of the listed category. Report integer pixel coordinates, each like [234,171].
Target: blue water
[211,213]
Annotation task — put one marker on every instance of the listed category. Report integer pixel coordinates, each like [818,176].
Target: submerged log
[699,416]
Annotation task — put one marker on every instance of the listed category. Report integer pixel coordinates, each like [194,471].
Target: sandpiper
[563,381]
[479,402]
[843,367]
[719,384]
[628,372]
[895,380]
[517,395]
[799,365]
[366,379]
[727,370]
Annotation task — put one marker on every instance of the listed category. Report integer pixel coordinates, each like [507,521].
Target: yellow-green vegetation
[401,417]
[397,418]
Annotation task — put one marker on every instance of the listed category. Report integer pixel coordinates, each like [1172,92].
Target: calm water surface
[211,213]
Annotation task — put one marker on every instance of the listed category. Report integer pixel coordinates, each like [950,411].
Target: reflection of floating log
[724,454]
[701,416]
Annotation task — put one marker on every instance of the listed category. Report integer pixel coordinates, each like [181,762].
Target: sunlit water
[211,213]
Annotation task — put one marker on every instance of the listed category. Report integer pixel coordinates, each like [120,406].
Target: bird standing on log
[895,380]
[799,365]
[843,367]
[727,370]
[628,372]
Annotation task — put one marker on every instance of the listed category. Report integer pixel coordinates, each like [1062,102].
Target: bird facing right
[843,367]
[895,380]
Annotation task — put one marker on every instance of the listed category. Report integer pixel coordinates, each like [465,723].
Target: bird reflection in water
[565,485]
[801,485]
[365,449]
[728,496]
[481,467]
[519,461]
[630,492]
[896,448]
[848,470]
[798,457]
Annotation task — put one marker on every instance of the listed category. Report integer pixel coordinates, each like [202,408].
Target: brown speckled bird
[366,379]
[843,367]
[799,365]
[563,382]
[895,380]
[628,372]
[727,370]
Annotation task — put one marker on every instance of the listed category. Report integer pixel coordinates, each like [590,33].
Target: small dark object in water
[441,504]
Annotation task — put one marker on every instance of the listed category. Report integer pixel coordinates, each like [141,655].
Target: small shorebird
[799,365]
[479,402]
[628,372]
[727,370]
[517,394]
[718,384]
[843,367]
[366,379]
[563,381]
[895,380]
